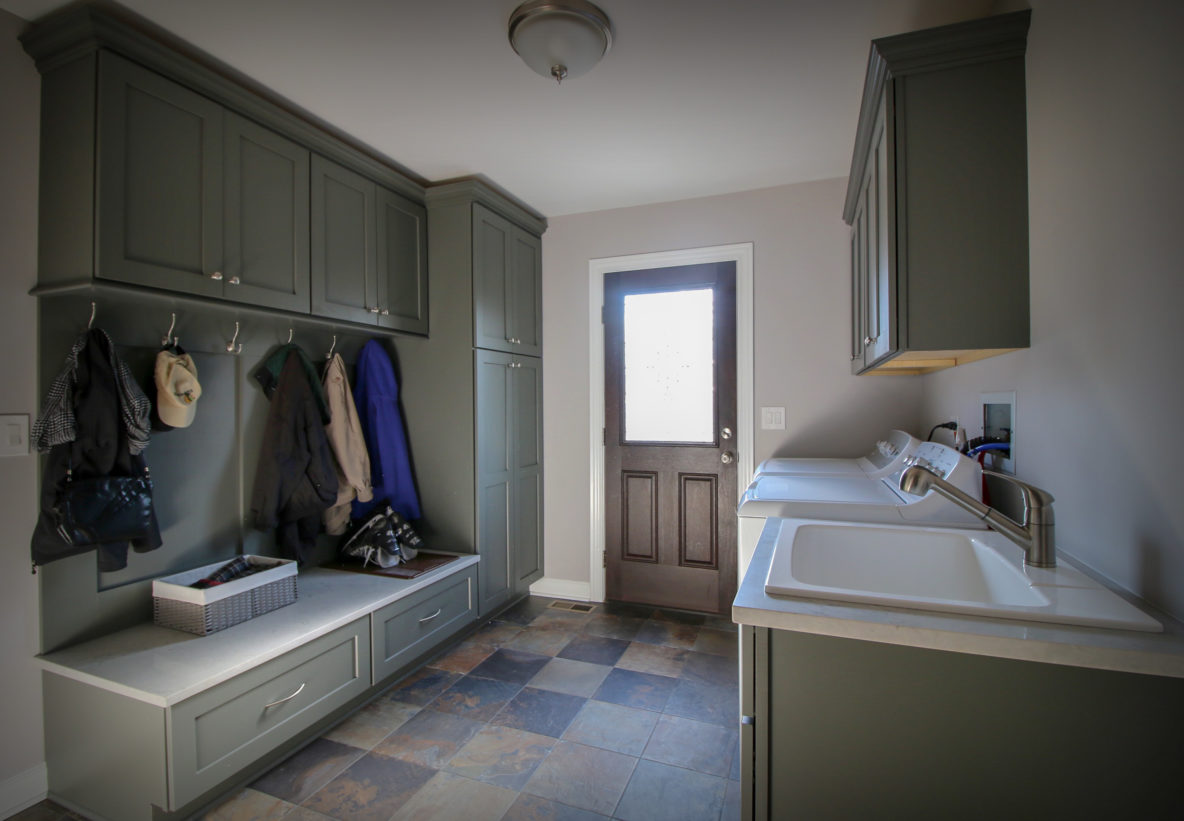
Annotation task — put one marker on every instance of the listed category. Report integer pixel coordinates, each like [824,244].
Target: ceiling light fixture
[560,38]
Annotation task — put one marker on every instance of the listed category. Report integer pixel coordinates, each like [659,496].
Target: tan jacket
[348,446]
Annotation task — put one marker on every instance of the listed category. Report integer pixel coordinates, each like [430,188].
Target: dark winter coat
[100,448]
[295,479]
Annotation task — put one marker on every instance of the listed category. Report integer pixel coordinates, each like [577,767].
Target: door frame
[741,254]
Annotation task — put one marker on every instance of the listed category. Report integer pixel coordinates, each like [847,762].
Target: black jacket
[295,479]
[99,449]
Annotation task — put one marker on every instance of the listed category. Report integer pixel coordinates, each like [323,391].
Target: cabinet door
[159,182]
[493,239]
[266,209]
[858,315]
[526,297]
[343,243]
[527,457]
[402,264]
[495,476]
[880,296]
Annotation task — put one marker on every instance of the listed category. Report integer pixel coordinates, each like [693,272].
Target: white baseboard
[23,790]
[562,589]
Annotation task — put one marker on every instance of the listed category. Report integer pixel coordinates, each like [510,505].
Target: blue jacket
[376,395]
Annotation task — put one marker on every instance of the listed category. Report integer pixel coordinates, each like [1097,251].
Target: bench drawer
[222,730]
[404,629]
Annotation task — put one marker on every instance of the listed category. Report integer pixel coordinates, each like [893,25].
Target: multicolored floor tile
[423,685]
[708,669]
[464,657]
[612,727]
[430,739]
[613,626]
[517,666]
[717,643]
[374,722]
[594,649]
[540,711]
[307,770]
[704,702]
[631,689]
[653,658]
[449,797]
[584,777]
[534,808]
[660,792]
[692,745]
[668,633]
[476,698]
[372,789]
[577,678]
[501,756]
[543,640]
[245,805]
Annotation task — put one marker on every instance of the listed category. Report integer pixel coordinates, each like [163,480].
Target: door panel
[343,243]
[492,236]
[267,199]
[526,381]
[402,263]
[495,477]
[671,477]
[526,294]
[160,182]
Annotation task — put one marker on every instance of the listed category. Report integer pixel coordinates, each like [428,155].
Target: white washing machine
[860,498]
[884,459]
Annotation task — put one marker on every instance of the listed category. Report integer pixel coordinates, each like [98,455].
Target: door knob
[726,433]
[726,457]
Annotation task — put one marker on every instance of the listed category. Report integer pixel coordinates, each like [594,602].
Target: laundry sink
[941,569]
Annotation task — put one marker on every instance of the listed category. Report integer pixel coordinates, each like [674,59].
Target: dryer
[885,458]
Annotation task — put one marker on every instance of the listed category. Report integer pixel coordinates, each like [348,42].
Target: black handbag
[104,509]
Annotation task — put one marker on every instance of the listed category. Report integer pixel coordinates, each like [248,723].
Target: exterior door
[670,442]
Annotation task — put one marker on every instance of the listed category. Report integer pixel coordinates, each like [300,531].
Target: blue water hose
[1003,446]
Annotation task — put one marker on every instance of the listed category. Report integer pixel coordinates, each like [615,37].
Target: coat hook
[230,346]
[168,337]
[290,332]
[332,347]
[91,322]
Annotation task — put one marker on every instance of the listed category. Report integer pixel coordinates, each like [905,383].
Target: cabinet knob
[216,275]
[385,312]
[867,340]
[234,280]
[374,310]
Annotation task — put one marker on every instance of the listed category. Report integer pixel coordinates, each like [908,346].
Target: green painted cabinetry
[507,285]
[160,172]
[937,199]
[369,251]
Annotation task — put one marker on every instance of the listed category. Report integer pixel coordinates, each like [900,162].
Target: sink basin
[941,569]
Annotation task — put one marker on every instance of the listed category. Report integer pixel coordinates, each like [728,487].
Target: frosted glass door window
[669,367]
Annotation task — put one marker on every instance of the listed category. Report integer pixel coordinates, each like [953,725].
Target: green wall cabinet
[937,199]
[160,172]
[369,251]
[507,285]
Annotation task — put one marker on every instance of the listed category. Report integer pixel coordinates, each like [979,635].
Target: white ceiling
[696,97]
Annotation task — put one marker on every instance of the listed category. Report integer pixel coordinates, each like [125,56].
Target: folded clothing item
[234,569]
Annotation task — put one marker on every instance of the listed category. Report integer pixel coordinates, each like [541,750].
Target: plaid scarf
[56,425]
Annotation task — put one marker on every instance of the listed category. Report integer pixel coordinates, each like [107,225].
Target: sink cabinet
[937,199]
[844,728]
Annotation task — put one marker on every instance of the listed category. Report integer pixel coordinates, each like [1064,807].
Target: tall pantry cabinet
[483,367]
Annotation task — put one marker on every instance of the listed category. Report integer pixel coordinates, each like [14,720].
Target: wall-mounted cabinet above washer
[937,199]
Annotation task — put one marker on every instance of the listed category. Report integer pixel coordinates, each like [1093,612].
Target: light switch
[14,435]
[772,418]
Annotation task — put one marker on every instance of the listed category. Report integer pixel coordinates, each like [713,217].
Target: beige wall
[801,291]
[22,753]
[1101,390]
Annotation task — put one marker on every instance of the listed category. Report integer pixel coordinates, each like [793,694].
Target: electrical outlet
[773,418]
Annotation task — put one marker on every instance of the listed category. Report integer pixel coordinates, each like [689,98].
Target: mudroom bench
[150,723]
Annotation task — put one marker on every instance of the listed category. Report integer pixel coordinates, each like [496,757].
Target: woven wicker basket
[177,605]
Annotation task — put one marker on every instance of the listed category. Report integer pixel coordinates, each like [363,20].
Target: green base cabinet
[841,728]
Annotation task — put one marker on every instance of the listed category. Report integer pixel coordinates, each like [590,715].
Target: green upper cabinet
[369,251]
[196,199]
[265,261]
[507,285]
[159,182]
[937,199]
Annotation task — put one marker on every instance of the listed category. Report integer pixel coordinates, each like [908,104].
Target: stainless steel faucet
[1034,534]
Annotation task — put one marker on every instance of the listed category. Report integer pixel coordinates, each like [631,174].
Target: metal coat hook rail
[169,339]
[90,323]
[332,348]
[230,346]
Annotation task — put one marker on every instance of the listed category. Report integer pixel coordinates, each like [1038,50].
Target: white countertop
[162,666]
[1128,651]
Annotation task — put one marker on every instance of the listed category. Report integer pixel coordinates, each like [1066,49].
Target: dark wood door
[670,422]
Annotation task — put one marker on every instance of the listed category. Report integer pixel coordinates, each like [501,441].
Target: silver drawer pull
[429,618]
[286,698]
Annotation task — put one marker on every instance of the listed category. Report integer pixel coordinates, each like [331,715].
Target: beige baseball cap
[177,389]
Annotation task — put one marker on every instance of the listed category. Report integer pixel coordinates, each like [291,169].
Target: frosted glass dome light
[560,38]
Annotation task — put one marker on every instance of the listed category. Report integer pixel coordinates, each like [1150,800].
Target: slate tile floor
[627,713]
